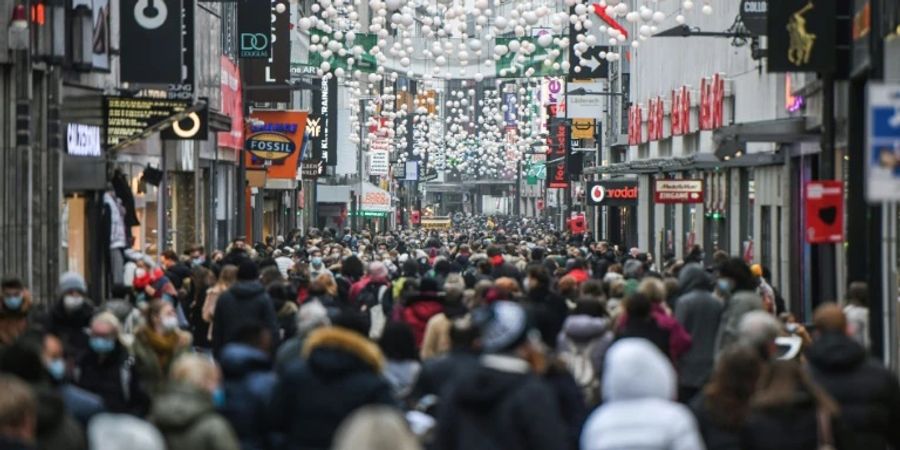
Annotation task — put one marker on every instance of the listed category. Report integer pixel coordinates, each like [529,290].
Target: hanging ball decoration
[680,19]
[687,5]
[659,17]
[707,9]
[545,40]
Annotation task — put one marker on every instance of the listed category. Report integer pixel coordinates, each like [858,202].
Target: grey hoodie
[699,312]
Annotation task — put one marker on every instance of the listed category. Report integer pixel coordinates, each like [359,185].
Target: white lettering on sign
[83,140]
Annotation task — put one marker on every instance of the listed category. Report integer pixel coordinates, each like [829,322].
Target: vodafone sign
[678,191]
[612,193]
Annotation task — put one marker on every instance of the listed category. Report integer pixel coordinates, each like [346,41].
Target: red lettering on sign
[712,102]
[635,120]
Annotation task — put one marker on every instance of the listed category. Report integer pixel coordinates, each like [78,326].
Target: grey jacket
[740,303]
[699,312]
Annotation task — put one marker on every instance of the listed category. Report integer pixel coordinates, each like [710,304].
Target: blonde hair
[325,282]
[375,428]
[227,277]
[653,289]
[194,369]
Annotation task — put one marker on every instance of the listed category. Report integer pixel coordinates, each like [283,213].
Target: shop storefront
[618,203]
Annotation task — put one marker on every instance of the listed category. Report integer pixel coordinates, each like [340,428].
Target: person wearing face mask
[737,287]
[82,404]
[108,370]
[184,411]
[157,343]
[317,266]
[14,308]
[71,314]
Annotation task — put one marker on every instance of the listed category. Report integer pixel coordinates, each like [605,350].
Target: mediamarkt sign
[612,193]
[678,191]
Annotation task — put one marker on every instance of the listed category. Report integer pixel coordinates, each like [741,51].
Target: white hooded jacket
[639,412]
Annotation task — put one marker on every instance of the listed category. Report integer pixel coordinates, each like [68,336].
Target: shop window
[74,240]
[665,148]
[643,151]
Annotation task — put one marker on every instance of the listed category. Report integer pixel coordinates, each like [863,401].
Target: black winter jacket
[869,395]
[244,303]
[716,435]
[340,373]
[113,378]
[490,409]
[69,326]
[249,381]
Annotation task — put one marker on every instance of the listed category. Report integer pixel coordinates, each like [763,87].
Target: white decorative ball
[707,9]
[688,5]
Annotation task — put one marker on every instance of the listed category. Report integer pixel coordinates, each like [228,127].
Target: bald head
[830,318]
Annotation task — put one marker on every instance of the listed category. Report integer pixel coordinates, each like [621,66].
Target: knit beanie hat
[503,324]
[72,281]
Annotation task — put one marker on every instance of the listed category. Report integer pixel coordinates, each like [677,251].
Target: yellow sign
[436,223]
[582,128]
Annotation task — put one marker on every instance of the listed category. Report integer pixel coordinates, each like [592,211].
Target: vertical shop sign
[558,150]
[267,78]
[254,29]
[156,21]
[883,143]
[712,102]
[274,144]
[824,211]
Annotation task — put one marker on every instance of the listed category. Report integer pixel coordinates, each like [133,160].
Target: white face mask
[169,323]
[73,302]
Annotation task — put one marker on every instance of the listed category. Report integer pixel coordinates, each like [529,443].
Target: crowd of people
[500,333]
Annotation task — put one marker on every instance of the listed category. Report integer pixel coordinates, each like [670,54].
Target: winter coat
[113,377]
[507,270]
[791,426]
[698,311]
[418,311]
[402,375]
[56,428]
[286,316]
[82,404]
[858,322]
[340,373]
[740,303]
[438,373]
[69,326]
[245,302]
[585,339]
[249,382]
[868,394]
[437,337]
[185,416]
[547,310]
[638,410]
[716,435]
[147,362]
[500,405]
[209,307]
[645,329]
[580,275]
[14,444]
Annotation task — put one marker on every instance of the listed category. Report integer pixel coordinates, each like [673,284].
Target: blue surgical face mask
[316,261]
[724,285]
[102,345]
[197,261]
[57,369]
[13,302]
[218,397]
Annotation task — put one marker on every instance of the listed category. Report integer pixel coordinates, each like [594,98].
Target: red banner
[680,116]
[712,102]
[557,151]
[824,211]
[232,105]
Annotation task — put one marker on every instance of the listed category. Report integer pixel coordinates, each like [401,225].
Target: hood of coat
[834,352]
[583,328]
[335,351]
[694,277]
[635,369]
[240,360]
[179,406]
[245,290]
[486,387]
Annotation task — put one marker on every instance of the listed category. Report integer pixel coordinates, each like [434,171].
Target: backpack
[578,360]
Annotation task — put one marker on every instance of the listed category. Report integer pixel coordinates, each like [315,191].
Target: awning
[730,141]
[332,194]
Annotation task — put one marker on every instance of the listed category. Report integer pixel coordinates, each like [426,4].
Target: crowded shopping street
[450,225]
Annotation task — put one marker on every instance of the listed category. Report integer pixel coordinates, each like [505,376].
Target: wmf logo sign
[254,45]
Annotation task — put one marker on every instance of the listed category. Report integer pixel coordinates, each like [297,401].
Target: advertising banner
[151,21]
[375,199]
[678,191]
[612,193]
[274,140]
[231,104]
[824,211]
[379,163]
[883,143]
